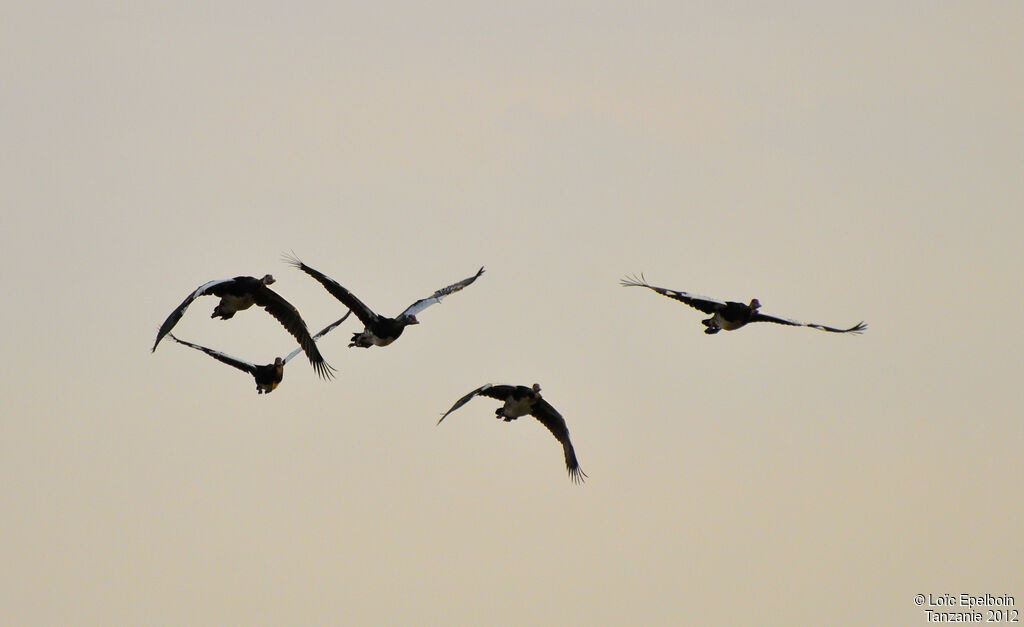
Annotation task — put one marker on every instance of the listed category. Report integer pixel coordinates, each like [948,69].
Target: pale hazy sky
[837,161]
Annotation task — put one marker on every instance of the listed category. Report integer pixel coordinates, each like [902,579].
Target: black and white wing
[324,331]
[550,418]
[176,315]
[760,317]
[436,297]
[241,364]
[347,298]
[289,317]
[702,303]
[489,389]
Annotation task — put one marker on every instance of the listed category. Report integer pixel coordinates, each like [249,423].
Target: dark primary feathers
[520,400]
[322,332]
[241,364]
[267,376]
[731,315]
[241,293]
[702,303]
[347,298]
[380,330]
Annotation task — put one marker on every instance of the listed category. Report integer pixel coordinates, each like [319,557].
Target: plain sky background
[838,161]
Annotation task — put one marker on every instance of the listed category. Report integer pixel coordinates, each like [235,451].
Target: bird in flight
[730,315]
[520,400]
[379,330]
[241,293]
[269,376]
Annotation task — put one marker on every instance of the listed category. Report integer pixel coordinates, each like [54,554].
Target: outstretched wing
[500,392]
[242,365]
[703,303]
[356,306]
[550,418]
[760,317]
[436,297]
[176,315]
[289,317]
[465,399]
[324,331]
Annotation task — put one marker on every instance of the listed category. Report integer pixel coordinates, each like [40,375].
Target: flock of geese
[242,292]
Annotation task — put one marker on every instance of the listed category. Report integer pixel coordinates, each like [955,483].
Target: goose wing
[241,364]
[289,317]
[436,297]
[550,418]
[499,392]
[324,331]
[176,315]
[702,303]
[364,313]
[760,317]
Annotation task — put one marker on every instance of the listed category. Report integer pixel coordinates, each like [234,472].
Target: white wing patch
[202,289]
[319,335]
[436,297]
[641,281]
[292,354]
[213,353]
[230,357]
[694,297]
[781,320]
[465,399]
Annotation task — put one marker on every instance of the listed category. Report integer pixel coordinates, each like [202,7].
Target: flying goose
[729,315]
[380,330]
[267,377]
[241,293]
[519,401]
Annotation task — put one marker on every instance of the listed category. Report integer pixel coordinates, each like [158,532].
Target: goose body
[731,315]
[378,330]
[242,292]
[519,400]
[267,376]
